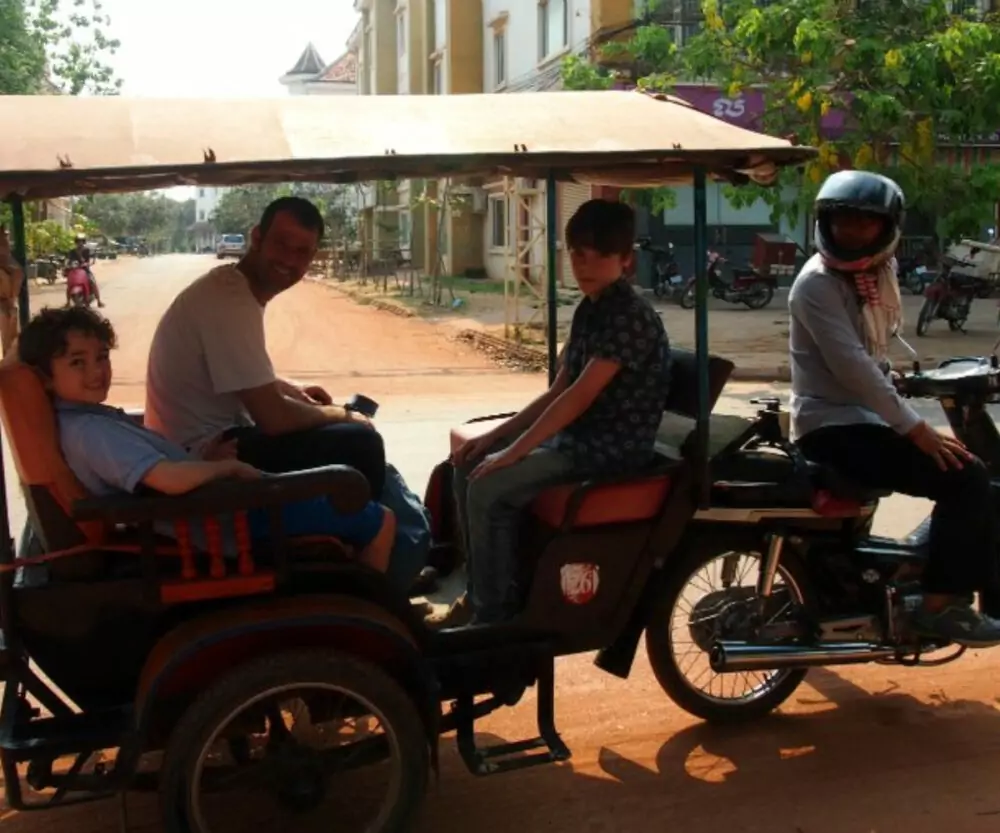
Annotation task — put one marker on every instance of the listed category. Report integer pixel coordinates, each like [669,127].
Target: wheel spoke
[719,602]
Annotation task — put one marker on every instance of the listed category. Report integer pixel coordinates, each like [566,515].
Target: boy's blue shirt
[107,450]
[110,453]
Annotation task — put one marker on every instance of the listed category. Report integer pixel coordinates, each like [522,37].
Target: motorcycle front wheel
[687,299]
[927,313]
[758,295]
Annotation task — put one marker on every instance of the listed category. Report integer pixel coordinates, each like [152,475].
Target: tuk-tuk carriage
[214,680]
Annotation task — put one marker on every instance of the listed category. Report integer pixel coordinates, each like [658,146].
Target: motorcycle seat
[825,478]
[768,478]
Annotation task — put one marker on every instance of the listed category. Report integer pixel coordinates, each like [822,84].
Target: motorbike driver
[80,254]
[846,414]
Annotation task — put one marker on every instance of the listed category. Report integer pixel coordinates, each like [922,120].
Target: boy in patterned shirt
[600,416]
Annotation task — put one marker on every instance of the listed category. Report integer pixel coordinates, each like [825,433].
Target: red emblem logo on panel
[579,582]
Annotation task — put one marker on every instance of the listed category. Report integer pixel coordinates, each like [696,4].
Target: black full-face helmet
[867,193]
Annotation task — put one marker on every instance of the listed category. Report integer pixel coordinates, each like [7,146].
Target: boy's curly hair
[45,336]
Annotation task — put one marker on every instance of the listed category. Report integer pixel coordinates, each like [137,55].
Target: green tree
[47,238]
[22,53]
[240,208]
[153,216]
[56,46]
[911,78]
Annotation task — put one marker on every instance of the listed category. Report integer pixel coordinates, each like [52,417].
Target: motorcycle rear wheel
[661,638]
[758,295]
[687,299]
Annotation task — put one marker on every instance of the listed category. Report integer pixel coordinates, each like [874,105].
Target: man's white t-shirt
[208,345]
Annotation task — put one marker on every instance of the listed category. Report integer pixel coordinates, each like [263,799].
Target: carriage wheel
[324,741]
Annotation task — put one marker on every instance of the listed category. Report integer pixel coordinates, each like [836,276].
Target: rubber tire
[767,296]
[926,316]
[669,676]
[221,699]
[687,299]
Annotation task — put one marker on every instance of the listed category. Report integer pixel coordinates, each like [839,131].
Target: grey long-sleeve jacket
[834,379]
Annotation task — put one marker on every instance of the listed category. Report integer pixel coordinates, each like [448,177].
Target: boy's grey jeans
[489,512]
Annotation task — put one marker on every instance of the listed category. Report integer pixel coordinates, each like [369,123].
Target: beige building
[421,47]
[525,43]
[450,47]
[311,75]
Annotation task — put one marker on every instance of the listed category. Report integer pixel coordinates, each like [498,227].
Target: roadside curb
[780,373]
[521,355]
[364,300]
[528,358]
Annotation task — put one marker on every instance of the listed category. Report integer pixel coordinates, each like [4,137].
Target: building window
[498,221]
[440,24]
[553,27]
[688,31]
[499,59]
[405,230]
[201,215]
[201,192]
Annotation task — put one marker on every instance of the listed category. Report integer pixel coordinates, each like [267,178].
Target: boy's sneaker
[457,616]
[958,624]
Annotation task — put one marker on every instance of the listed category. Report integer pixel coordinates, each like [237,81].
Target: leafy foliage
[239,208]
[164,223]
[47,238]
[56,46]
[910,79]
[22,54]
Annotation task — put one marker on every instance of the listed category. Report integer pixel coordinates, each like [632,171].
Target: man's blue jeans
[489,511]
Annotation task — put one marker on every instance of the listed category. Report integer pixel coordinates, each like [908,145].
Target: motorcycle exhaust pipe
[745,656]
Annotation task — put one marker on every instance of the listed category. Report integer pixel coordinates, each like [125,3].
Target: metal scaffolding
[526,264]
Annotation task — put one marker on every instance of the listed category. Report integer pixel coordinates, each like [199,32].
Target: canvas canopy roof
[60,145]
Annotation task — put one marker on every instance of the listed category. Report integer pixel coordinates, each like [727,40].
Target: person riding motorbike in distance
[846,413]
[80,253]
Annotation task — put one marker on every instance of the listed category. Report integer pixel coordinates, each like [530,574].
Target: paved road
[855,751]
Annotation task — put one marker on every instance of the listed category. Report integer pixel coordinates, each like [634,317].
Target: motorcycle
[78,286]
[819,589]
[667,280]
[949,296]
[747,286]
[913,275]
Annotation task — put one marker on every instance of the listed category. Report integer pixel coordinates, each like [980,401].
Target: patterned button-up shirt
[618,431]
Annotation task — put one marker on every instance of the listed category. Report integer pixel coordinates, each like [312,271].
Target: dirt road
[758,339]
[865,750]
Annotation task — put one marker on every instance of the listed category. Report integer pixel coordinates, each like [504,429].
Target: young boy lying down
[110,453]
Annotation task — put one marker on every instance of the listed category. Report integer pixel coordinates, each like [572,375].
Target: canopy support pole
[8,551]
[702,475]
[552,297]
[19,247]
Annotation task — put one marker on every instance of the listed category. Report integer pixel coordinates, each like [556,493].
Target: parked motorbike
[668,282]
[949,296]
[913,275]
[747,286]
[78,286]
[783,572]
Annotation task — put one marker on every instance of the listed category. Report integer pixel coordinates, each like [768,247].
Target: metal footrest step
[66,734]
[547,748]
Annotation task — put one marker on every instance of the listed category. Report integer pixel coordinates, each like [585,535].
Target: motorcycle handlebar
[981,381]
